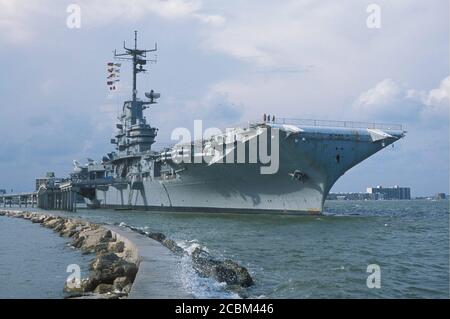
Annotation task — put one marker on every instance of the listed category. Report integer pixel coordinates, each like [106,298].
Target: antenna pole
[134,66]
[138,58]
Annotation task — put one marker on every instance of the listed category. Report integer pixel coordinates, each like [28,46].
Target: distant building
[41,181]
[2,191]
[387,193]
[49,179]
[375,193]
[348,196]
[50,175]
[440,196]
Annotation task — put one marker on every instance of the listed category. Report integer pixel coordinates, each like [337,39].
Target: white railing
[330,123]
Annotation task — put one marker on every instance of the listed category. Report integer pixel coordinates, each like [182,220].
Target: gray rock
[78,242]
[116,247]
[125,269]
[103,289]
[157,236]
[243,277]
[104,261]
[120,283]
[127,289]
[105,276]
[172,246]
[85,286]
[101,248]
[36,219]
[226,271]
[54,222]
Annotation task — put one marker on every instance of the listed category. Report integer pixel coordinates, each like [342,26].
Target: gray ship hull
[322,154]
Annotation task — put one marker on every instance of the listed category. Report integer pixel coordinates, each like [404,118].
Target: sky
[226,62]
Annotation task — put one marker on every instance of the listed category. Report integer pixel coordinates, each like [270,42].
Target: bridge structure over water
[61,196]
[19,199]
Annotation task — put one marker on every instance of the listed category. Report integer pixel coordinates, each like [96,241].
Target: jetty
[158,276]
[126,263]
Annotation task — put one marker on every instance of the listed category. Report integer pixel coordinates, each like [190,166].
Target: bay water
[288,256]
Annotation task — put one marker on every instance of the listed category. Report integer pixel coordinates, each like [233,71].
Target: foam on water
[202,287]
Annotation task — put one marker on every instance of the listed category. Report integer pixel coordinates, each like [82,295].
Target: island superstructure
[226,172]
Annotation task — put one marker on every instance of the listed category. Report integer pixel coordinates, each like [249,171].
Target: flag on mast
[113,74]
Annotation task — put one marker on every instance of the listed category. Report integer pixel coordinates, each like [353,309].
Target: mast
[134,134]
[138,58]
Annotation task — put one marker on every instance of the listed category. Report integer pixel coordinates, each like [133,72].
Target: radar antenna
[138,57]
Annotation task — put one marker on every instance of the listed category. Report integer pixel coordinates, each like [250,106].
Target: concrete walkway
[159,270]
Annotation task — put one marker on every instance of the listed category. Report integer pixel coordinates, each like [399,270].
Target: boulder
[226,271]
[94,236]
[52,223]
[105,276]
[85,286]
[59,227]
[101,248]
[78,242]
[243,276]
[104,261]
[172,246]
[233,274]
[36,219]
[203,263]
[157,236]
[48,218]
[124,268]
[104,288]
[126,289]
[120,283]
[116,247]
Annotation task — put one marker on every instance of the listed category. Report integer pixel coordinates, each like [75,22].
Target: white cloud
[387,99]
[212,19]
[436,101]
[16,19]
[97,12]
[20,20]
[438,97]
[384,92]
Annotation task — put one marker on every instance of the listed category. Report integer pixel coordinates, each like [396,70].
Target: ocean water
[314,256]
[34,260]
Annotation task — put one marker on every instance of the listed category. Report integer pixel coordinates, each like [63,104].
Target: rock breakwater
[114,267]
[227,271]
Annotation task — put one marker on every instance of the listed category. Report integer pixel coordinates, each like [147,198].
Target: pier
[52,196]
[19,199]
[62,197]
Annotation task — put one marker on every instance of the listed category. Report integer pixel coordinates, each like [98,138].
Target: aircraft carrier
[270,165]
